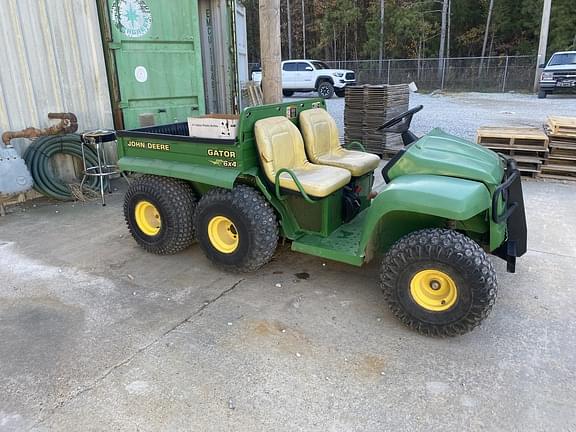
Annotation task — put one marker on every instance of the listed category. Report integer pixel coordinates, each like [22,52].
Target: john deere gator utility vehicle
[447,203]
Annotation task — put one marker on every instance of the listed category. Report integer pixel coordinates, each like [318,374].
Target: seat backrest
[320,133]
[279,144]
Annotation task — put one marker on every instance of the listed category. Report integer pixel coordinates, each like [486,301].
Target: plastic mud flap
[513,215]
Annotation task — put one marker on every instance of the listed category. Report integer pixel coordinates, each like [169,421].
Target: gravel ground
[463,113]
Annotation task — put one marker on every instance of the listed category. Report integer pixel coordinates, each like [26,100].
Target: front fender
[434,197]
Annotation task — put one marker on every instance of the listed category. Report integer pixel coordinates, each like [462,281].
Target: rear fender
[409,203]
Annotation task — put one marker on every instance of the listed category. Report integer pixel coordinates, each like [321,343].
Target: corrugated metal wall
[52,61]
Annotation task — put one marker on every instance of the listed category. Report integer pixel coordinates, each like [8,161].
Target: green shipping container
[169,60]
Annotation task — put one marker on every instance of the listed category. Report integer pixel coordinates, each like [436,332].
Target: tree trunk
[303,31]
[443,30]
[486,32]
[381,54]
[289,20]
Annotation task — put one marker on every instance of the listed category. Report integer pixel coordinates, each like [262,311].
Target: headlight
[547,76]
[339,74]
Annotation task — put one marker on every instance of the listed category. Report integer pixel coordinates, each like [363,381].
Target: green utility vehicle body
[438,181]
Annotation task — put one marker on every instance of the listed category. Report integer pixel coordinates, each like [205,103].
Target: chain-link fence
[488,74]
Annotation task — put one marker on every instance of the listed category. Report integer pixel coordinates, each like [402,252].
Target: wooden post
[270,50]
[543,44]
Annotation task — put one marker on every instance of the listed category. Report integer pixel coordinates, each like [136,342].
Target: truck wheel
[237,229]
[340,93]
[438,282]
[159,212]
[542,94]
[325,90]
[287,93]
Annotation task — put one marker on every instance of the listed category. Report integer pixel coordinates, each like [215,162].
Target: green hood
[439,153]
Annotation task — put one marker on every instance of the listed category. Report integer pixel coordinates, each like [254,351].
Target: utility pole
[270,50]
[289,29]
[486,31]
[381,57]
[543,45]
[303,31]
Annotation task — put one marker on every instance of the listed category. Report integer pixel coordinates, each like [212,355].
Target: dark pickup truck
[559,75]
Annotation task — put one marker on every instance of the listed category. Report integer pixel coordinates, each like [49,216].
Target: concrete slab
[95,334]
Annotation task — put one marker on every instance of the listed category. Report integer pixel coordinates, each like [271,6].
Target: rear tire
[438,282]
[542,94]
[237,229]
[159,212]
[287,93]
[325,90]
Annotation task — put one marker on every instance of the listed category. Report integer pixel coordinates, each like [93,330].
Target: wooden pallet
[561,126]
[512,137]
[562,160]
[556,177]
[559,171]
[519,151]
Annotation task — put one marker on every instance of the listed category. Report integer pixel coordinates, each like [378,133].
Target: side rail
[298,185]
[355,145]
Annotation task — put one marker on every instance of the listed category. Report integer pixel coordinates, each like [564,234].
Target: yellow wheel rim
[148,218]
[223,234]
[433,290]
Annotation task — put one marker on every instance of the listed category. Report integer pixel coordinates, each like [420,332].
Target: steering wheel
[402,121]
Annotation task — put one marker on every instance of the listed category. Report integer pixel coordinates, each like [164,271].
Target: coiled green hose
[37,158]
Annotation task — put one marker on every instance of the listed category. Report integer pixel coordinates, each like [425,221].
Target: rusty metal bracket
[68,124]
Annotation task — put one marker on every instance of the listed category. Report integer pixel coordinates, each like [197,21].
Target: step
[342,245]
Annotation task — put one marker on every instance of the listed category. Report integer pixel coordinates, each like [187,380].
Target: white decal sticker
[141,74]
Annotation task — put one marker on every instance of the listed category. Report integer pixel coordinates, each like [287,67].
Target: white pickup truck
[312,75]
[559,74]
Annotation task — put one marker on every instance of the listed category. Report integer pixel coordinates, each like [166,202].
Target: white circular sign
[132,17]
[141,74]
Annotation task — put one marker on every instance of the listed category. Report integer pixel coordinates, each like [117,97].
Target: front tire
[542,94]
[159,212]
[237,229]
[287,93]
[340,93]
[438,282]
[325,90]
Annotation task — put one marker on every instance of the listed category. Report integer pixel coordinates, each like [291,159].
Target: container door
[241,47]
[156,45]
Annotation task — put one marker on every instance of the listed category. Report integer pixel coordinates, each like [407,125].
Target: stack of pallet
[528,146]
[561,163]
[354,114]
[370,106]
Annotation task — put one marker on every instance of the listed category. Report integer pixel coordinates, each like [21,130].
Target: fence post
[505,76]
[443,73]
[388,79]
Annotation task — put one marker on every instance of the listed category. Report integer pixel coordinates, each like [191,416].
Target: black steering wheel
[402,121]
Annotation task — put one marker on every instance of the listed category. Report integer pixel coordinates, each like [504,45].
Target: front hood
[333,71]
[439,153]
[563,67]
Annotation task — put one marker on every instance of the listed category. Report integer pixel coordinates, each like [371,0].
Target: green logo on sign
[131,17]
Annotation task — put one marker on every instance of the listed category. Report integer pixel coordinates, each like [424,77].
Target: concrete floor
[97,335]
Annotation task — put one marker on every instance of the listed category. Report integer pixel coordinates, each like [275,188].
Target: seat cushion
[316,180]
[323,145]
[357,162]
[280,146]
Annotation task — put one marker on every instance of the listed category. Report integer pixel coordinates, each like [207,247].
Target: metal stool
[96,139]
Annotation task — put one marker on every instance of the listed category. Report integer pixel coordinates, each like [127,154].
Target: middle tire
[237,229]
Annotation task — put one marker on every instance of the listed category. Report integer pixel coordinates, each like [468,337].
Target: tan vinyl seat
[280,145]
[323,146]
